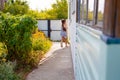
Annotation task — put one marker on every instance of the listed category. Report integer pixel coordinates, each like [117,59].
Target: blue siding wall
[90,54]
[93,59]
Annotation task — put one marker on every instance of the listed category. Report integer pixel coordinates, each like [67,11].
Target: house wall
[72,30]
[93,58]
[90,59]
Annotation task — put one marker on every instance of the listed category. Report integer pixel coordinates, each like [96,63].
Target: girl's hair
[63,26]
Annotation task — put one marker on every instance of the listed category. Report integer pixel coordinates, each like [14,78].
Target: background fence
[51,28]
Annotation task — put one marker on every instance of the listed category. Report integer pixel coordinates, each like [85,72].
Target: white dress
[63,33]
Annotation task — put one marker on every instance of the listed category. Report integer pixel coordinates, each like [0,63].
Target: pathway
[58,65]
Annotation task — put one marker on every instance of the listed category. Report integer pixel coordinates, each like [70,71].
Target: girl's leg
[61,42]
[66,42]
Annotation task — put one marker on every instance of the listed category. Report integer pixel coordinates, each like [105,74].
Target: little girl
[63,33]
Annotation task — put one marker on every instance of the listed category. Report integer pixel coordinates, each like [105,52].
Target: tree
[16,7]
[90,15]
[60,9]
[100,15]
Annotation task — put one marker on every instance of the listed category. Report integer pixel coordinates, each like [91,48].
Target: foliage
[3,52]
[16,7]
[18,43]
[90,15]
[16,32]
[7,72]
[47,14]
[40,42]
[34,14]
[40,46]
[59,10]
[100,15]
[39,15]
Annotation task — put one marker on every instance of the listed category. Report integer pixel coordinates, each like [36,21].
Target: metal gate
[51,28]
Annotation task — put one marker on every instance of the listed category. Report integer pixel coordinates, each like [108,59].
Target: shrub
[3,52]
[16,32]
[40,45]
[40,42]
[7,72]
[16,7]
[35,58]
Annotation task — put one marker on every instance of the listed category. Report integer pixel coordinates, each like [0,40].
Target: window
[91,13]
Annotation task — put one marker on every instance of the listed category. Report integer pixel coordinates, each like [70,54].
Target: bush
[16,7]
[16,32]
[35,58]
[3,52]
[7,72]
[40,45]
[40,42]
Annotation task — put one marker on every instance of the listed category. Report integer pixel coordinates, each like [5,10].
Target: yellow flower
[4,60]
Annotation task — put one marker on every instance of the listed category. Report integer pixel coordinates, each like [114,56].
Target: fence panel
[55,29]
[51,28]
[43,26]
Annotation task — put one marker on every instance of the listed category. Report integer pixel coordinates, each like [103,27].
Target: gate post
[49,28]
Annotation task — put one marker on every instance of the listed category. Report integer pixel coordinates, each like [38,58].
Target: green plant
[3,52]
[7,72]
[40,45]
[15,33]
[40,42]
[16,7]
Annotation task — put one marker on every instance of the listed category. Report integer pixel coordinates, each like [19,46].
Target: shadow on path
[57,67]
